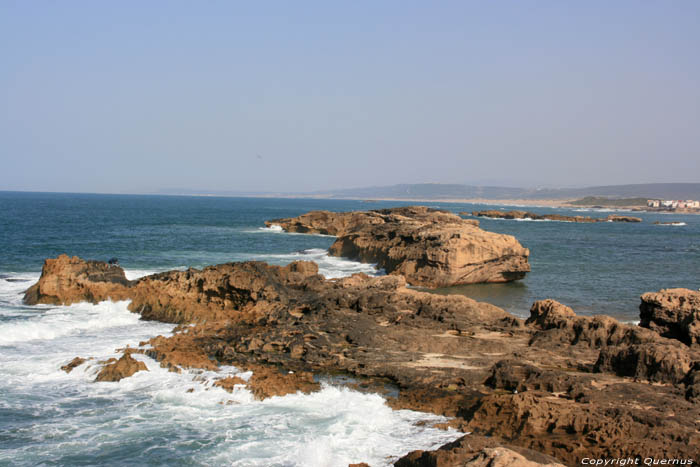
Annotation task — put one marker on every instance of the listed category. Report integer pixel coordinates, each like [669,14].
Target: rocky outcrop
[673,313]
[657,362]
[563,385]
[477,451]
[70,366]
[117,370]
[496,214]
[428,247]
[65,280]
[557,324]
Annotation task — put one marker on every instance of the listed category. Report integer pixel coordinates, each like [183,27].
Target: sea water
[51,417]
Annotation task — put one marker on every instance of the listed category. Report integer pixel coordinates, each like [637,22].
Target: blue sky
[298,96]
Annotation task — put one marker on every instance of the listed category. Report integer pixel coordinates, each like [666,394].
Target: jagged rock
[673,313]
[655,362]
[66,280]
[431,352]
[692,383]
[178,352]
[518,376]
[476,451]
[268,382]
[229,383]
[77,361]
[633,422]
[122,368]
[559,324]
[428,247]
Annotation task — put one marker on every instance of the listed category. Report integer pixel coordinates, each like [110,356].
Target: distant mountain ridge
[454,191]
[440,191]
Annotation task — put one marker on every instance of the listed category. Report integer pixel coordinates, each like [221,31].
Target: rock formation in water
[562,385]
[496,214]
[65,280]
[428,247]
[118,369]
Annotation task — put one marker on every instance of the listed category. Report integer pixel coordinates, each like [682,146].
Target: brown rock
[477,451]
[268,382]
[428,247]
[616,218]
[673,313]
[656,362]
[67,280]
[122,368]
[179,351]
[559,324]
[77,361]
[229,382]
[497,214]
[435,352]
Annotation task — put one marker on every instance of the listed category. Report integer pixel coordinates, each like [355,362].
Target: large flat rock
[430,248]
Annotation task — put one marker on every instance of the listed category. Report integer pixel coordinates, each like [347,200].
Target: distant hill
[600,201]
[446,191]
[453,191]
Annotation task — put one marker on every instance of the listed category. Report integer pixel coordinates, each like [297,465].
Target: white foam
[273,228]
[67,320]
[277,229]
[330,267]
[674,224]
[12,291]
[74,417]
[133,274]
[529,219]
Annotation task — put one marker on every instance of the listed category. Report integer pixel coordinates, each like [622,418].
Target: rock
[476,451]
[122,368]
[616,218]
[496,214]
[67,280]
[446,354]
[428,247]
[229,383]
[692,383]
[77,361]
[178,352]
[268,382]
[517,376]
[673,313]
[656,362]
[559,324]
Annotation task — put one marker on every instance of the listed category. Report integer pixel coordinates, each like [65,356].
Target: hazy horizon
[282,97]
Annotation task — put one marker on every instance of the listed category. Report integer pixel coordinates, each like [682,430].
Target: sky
[136,97]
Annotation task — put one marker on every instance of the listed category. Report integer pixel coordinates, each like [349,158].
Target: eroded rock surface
[673,313]
[65,280]
[428,247]
[563,385]
[477,451]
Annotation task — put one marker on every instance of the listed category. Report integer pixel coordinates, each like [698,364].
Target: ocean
[49,417]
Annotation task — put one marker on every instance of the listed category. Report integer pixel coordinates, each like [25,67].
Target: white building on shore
[673,203]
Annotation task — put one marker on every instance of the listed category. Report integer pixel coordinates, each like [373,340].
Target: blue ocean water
[595,268]
[53,418]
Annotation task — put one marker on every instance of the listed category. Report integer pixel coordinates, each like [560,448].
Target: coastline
[439,360]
